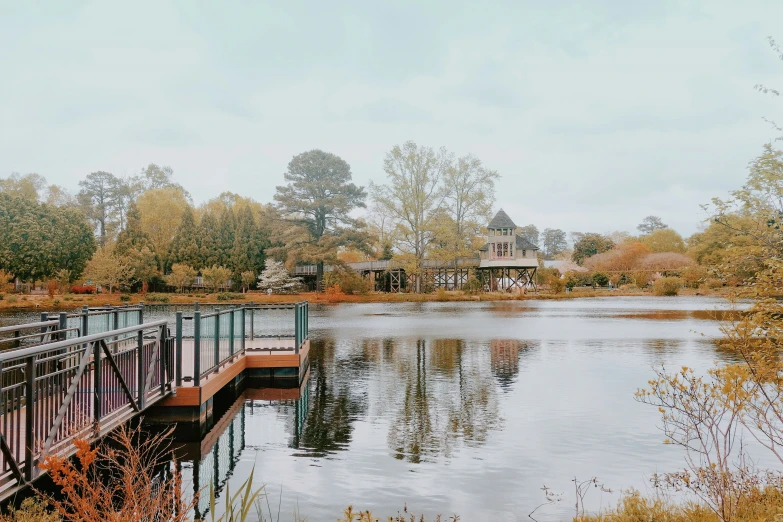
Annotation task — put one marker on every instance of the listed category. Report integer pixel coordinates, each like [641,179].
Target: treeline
[141,230]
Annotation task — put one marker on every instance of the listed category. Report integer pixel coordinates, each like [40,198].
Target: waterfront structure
[507,262]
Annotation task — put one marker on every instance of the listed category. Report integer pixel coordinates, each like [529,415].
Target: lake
[467,408]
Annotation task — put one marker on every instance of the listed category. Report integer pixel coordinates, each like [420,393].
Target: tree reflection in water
[434,395]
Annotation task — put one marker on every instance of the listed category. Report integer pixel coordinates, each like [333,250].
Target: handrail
[35,350]
[39,334]
[28,326]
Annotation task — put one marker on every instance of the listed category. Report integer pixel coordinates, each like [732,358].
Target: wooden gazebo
[508,260]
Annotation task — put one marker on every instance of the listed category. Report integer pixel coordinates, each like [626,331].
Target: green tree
[589,245]
[650,224]
[247,278]
[530,232]
[412,197]
[37,240]
[132,237]
[319,198]
[554,242]
[225,238]
[209,231]
[249,244]
[186,245]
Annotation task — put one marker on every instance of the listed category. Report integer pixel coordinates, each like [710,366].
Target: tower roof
[501,220]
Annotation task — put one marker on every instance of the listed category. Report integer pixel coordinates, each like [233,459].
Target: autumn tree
[553,241]
[589,245]
[181,276]
[663,240]
[29,186]
[161,213]
[318,199]
[624,257]
[108,270]
[468,189]
[413,196]
[650,224]
[216,277]
[247,279]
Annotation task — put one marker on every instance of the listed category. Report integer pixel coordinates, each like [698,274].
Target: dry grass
[762,506]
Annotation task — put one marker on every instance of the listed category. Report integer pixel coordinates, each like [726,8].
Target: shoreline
[71,301]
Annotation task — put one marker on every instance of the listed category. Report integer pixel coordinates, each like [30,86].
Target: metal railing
[220,336]
[53,394]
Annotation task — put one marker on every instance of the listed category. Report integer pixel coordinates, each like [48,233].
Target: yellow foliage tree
[161,213]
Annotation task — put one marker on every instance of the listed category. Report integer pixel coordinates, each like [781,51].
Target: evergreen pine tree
[186,245]
[249,245]
[208,233]
[225,238]
[132,237]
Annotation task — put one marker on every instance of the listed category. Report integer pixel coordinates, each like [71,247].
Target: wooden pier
[73,386]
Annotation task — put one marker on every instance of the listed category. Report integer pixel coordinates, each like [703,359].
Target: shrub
[11,299]
[667,286]
[334,294]
[641,278]
[82,289]
[56,302]
[600,279]
[556,285]
[713,283]
[349,281]
[157,298]
[228,296]
[2,296]
[473,286]
[51,287]
[125,298]
[693,276]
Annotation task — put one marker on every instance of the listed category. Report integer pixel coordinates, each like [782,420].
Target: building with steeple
[508,260]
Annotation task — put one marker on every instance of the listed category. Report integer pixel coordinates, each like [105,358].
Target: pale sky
[596,114]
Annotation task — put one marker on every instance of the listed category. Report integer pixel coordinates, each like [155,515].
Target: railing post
[231,332]
[44,318]
[195,306]
[217,340]
[85,321]
[97,384]
[252,321]
[163,357]
[242,344]
[29,438]
[179,349]
[197,348]
[63,335]
[297,328]
[142,377]
[141,312]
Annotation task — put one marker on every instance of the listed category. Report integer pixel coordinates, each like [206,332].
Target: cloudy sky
[595,113]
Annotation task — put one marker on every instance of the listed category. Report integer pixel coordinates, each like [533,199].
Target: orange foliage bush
[334,294]
[623,257]
[665,261]
[120,481]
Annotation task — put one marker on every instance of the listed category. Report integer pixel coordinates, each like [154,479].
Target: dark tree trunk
[319,276]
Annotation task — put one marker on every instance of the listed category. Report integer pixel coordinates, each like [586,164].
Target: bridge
[83,374]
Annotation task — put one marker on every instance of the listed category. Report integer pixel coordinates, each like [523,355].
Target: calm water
[465,408]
